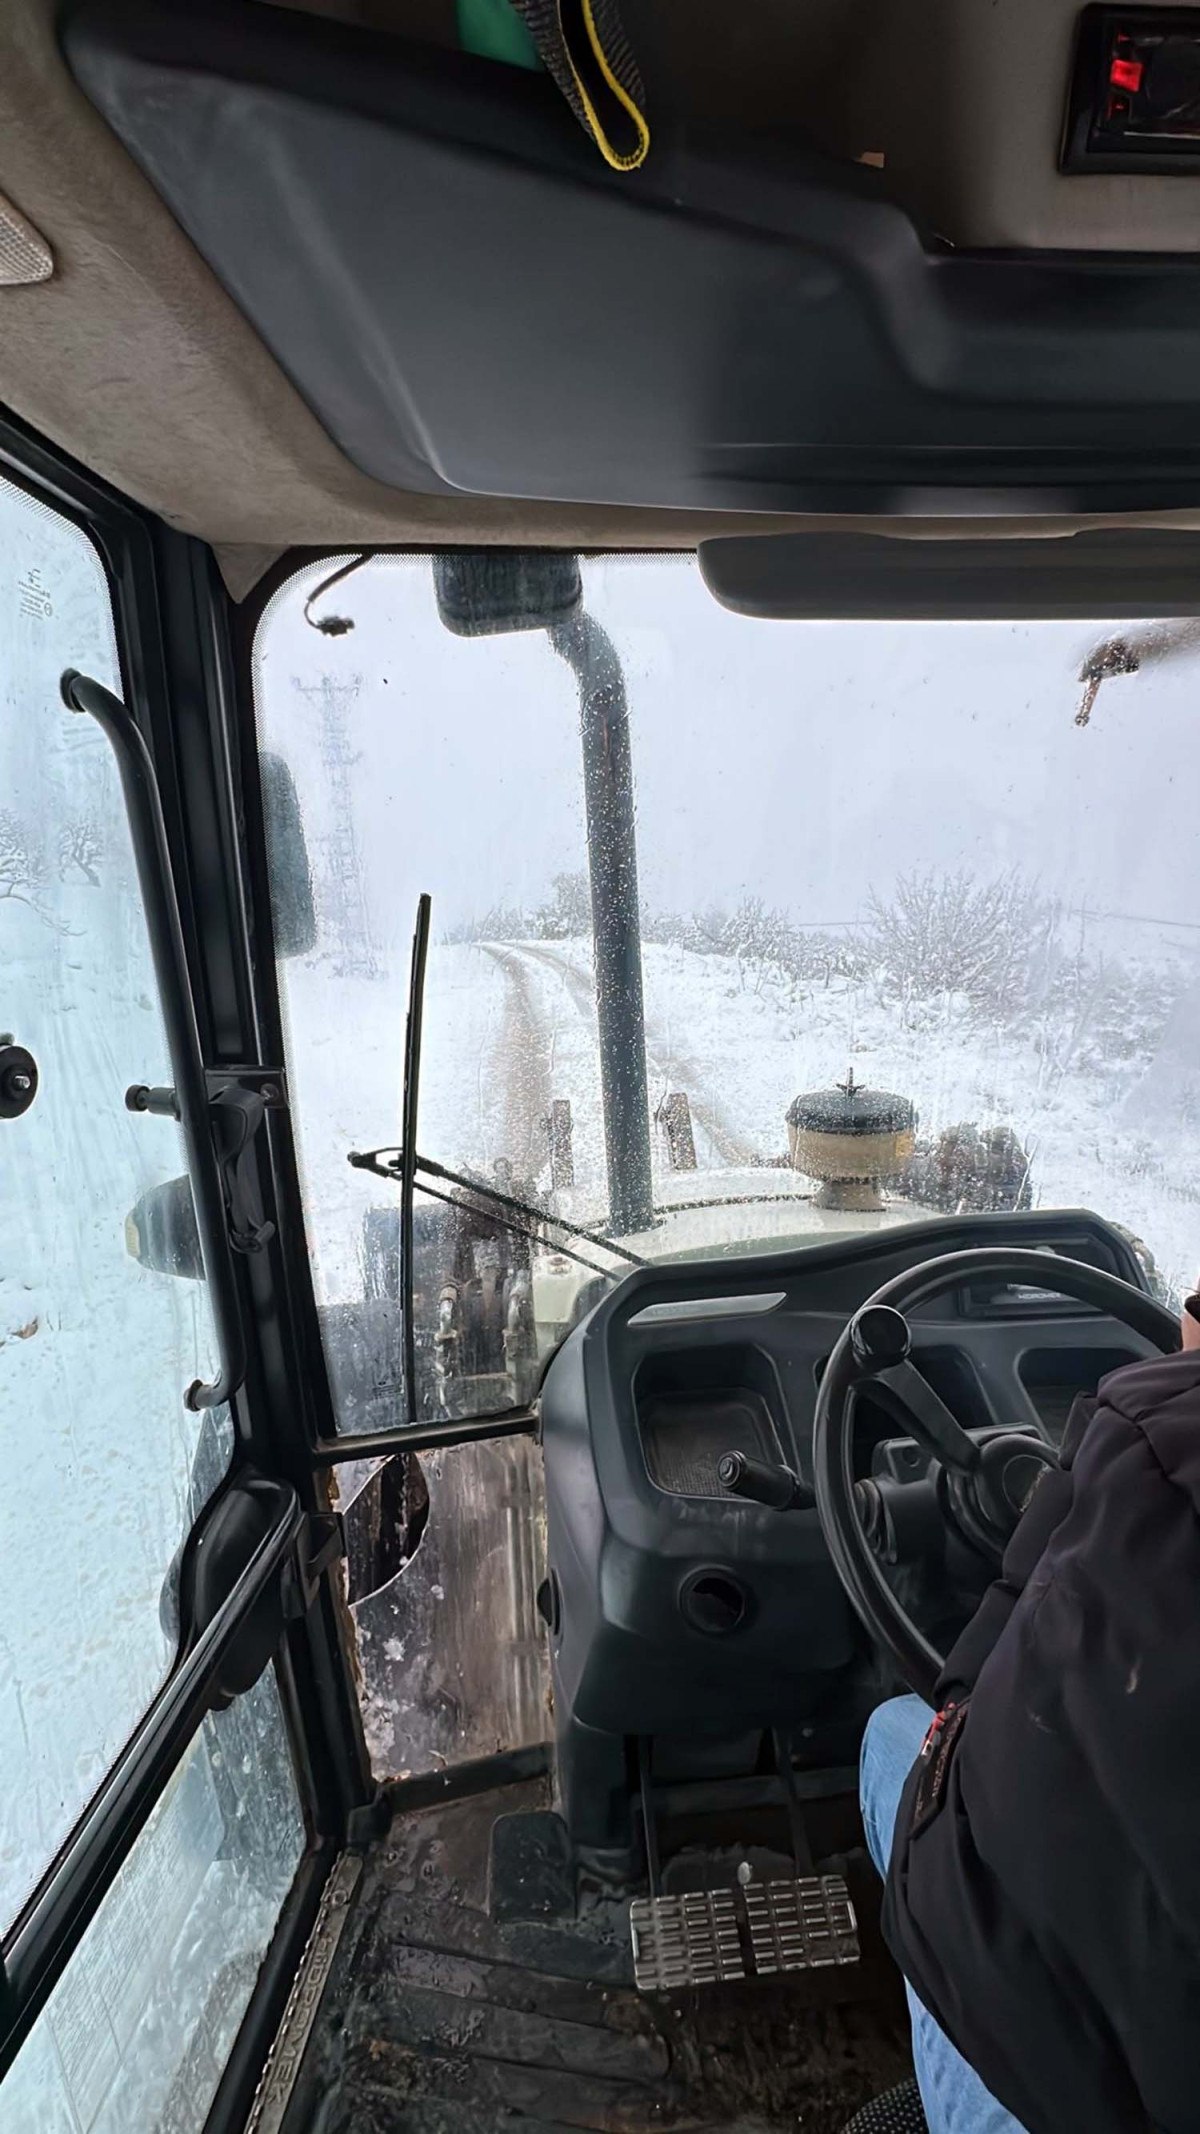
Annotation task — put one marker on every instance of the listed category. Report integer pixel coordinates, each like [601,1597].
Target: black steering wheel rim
[856,1564]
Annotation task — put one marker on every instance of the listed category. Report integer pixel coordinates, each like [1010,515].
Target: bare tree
[81,845]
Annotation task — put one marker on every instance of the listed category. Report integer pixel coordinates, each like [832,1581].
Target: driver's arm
[1047,1508]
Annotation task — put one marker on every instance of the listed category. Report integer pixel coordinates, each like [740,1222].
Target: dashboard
[691,1620]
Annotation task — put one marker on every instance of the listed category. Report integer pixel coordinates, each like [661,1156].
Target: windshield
[918,934]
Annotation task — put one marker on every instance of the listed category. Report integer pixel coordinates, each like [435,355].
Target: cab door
[157,1811]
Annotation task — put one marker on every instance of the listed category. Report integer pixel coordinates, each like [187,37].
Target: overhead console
[690,1624]
[470,301]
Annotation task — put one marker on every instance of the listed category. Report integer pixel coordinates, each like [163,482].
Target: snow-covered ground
[1100,1138]
[509,1026]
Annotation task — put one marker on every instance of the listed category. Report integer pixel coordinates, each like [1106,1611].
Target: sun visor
[1111,572]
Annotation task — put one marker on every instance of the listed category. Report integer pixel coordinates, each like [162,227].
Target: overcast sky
[803,763]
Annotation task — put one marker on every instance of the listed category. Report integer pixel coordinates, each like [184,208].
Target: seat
[898,2111]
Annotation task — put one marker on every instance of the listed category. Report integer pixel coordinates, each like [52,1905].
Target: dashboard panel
[708,1370]
[692,1621]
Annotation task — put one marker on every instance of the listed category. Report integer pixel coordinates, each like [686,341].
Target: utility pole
[343,895]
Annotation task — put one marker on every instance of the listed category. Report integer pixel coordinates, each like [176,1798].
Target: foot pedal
[756,1930]
[801,1926]
[691,1940]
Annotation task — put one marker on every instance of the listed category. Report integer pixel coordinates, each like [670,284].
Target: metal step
[755,1930]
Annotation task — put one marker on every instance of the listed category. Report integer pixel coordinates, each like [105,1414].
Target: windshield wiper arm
[395,1170]
[519,1229]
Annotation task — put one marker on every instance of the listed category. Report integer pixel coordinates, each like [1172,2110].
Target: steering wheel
[981,1488]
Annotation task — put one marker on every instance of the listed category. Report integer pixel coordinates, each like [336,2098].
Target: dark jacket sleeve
[1047,1508]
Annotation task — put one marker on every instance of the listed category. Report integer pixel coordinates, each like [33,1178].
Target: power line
[1134,918]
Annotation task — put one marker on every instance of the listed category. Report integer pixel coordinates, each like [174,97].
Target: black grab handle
[143,803]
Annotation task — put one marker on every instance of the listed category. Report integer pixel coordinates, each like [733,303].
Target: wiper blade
[394,1168]
[411,1097]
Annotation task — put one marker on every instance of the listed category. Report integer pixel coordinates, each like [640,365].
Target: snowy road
[546,1046]
[523,1066]
[718,1144]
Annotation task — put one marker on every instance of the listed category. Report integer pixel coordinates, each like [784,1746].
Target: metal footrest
[757,1929]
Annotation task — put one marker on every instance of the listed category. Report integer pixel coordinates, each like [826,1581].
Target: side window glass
[138,2029]
[105,1467]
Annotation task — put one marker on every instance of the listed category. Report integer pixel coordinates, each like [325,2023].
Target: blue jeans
[954,2098]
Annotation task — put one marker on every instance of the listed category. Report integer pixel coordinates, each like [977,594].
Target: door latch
[238,1101]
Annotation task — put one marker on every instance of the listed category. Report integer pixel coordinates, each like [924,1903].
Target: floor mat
[440,2018]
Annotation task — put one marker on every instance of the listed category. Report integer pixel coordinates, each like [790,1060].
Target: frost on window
[104,1466]
[136,2034]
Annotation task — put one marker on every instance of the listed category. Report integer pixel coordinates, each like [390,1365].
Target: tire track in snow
[524,1058]
[664,1064]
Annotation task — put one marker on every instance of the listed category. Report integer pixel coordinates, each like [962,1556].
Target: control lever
[761,1482]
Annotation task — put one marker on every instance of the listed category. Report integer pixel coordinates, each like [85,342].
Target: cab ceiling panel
[470,301]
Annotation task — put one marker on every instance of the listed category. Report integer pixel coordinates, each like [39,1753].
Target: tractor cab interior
[598,1005]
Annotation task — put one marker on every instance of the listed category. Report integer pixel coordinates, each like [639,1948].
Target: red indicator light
[1127,74]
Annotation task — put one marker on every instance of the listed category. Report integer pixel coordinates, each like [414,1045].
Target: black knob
[18,1079]
[879,1337]
[761,1482]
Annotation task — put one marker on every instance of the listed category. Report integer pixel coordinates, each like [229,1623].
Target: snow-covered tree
[567,916]
[990,941]
[22,869]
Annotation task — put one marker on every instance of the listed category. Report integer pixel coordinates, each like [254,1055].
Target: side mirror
[487,592]
[293,912]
